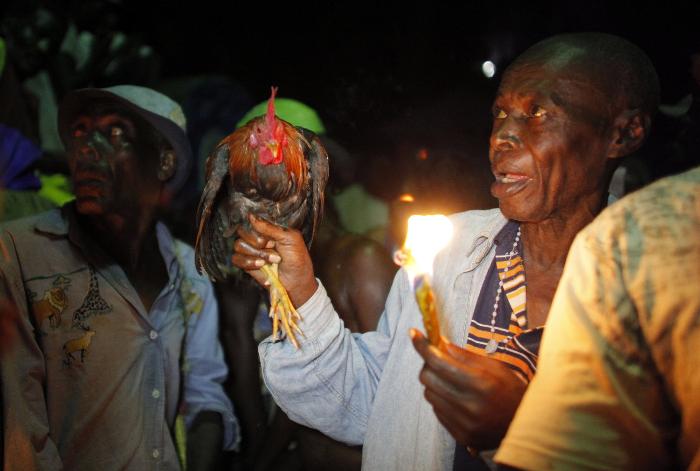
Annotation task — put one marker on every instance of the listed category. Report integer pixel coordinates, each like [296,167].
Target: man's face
[548,143]
[113,166]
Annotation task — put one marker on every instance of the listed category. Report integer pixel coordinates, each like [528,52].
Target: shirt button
[153,335]
[155,393]
[155,453]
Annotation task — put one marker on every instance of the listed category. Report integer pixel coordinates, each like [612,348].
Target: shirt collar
[64,223]
[483,242]
[55,223]
[166,244]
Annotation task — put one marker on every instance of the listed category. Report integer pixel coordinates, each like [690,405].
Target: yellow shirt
[618,382]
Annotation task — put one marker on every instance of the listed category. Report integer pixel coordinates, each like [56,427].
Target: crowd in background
[407,163]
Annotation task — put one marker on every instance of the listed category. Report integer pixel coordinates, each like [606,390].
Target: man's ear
[630,129]
[167,164]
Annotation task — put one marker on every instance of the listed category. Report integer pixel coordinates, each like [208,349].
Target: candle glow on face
[426,236]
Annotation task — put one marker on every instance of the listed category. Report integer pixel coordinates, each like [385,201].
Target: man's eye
[537,112]
[116,131]
[498,113]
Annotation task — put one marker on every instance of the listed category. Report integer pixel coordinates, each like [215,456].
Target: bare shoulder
[363,253]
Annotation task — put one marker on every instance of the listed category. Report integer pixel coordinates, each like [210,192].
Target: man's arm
[369,273]
[210,421]
[26,434]
[330,381]
[238,307]
[204,439]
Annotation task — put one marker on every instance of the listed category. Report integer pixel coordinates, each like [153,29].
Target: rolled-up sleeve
[206,370]
[329,383]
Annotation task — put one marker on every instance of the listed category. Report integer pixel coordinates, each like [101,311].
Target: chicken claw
[281,307]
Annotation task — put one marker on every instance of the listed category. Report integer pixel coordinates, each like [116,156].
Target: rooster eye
[116,131]
[498,113]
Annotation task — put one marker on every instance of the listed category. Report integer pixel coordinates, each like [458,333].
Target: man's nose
[87,151]
[506,135]
[92,147]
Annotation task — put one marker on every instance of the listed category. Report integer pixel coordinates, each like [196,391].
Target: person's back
[617,383]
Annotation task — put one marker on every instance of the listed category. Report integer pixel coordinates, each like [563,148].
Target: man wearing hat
[117,350]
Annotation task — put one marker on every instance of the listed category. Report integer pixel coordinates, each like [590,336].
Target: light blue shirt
[94,380]
[364,388]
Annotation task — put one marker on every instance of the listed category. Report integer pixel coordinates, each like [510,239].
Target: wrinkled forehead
[570,82]
[581,66]
[568,67]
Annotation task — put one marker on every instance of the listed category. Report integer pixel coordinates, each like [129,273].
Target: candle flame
[426,236]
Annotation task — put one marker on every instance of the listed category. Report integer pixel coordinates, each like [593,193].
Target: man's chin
[517,211]
[89,206]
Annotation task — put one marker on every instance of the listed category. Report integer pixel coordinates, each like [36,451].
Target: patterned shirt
[618,385]
[94,380]
[517,346]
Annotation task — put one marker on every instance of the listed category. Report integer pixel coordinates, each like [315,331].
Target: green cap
[292,111]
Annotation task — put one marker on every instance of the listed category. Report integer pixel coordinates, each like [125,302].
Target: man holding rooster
[567,109]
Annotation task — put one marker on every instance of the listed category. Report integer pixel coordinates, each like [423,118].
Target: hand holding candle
[426,236]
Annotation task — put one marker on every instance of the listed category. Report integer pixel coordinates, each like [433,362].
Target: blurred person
[19,152]
[117,363]
[567,109]
[617,383]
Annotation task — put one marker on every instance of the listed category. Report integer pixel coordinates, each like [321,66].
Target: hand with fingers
[267,244]
[474,397]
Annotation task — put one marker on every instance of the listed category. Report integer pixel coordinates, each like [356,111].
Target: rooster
[275,171]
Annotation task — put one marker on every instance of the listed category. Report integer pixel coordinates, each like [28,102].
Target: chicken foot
[281,308]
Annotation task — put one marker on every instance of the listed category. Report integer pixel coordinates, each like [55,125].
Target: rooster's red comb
[270,117]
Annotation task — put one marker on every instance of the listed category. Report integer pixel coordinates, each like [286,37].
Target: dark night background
[391,82]
[398,86]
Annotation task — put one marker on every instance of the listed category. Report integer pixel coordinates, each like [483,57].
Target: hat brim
[75,102]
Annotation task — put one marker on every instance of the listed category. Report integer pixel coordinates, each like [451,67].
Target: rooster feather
[268,168]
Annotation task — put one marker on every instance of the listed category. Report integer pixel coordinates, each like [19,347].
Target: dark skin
[450,374]
[357,273]
[553,141]
[119,195]
[552,149]
[119,175]
[238,305]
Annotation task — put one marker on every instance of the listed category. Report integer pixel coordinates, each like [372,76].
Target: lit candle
[426,236]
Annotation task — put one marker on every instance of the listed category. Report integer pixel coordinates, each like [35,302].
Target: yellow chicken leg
[281,308]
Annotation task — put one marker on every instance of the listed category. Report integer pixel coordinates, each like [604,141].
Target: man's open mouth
[510,177]
[508,184]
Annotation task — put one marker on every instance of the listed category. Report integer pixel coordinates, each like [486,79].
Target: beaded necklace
[492,345]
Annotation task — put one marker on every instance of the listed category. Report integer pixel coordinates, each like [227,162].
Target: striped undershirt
[517,345]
